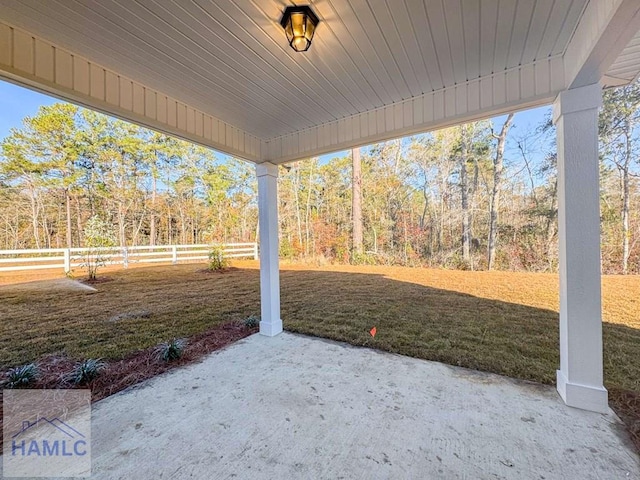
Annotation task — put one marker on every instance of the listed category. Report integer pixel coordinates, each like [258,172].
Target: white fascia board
[33,62]
[518,88]
[609,81]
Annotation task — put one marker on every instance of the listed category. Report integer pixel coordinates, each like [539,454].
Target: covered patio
[328,410]
[222,74]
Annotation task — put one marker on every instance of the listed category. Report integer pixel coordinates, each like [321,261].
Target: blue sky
[18,102]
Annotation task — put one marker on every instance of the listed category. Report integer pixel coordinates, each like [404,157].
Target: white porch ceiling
[376,69]
[230,58]
[627,66]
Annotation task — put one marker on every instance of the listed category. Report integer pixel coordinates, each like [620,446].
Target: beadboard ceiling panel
[627,66]
[230,59]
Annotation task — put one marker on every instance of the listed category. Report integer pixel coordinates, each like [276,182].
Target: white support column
[270,324]
[580,378]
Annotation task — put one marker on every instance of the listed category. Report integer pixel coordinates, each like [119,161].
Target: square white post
[270,324]
[580,378]
[67,260]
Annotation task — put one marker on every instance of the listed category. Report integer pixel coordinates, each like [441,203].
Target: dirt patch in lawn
[220,271]
[97,280]
[135,368]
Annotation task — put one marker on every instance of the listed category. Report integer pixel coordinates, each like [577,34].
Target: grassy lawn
[500,322]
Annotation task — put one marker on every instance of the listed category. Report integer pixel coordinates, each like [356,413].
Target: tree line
[475,196]
[67,164]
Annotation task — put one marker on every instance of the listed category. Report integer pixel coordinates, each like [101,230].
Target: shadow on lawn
[443,325]
[454,328]
[438,324]
[424,322]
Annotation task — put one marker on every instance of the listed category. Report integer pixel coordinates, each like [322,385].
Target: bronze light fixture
[299,23]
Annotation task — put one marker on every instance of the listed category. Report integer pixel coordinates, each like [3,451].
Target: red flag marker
[373,331]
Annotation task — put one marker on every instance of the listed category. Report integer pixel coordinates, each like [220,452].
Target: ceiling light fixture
[299,23]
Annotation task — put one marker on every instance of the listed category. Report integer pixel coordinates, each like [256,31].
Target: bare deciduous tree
[494,201]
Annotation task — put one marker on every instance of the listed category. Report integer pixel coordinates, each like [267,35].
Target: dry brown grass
[181,301]
[500,322]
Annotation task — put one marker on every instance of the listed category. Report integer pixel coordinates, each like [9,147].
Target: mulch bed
[97,280]
[220,271]
[135,368]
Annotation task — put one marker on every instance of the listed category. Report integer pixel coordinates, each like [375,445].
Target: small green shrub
[456,262]
[98,238]
[252,322]
[286,249]
[363,258]
[217,259]
[21,376]
[171,350]
[86,371]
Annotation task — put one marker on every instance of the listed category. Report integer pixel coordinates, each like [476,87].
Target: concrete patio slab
[296,407]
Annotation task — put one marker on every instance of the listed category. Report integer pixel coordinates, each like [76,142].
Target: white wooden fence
[68,258]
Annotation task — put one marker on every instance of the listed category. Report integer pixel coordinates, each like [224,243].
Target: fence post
[174,254]
[125,257]
[67,260]
[255,251]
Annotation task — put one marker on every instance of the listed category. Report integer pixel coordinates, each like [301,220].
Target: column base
[270,329]
[594,399]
